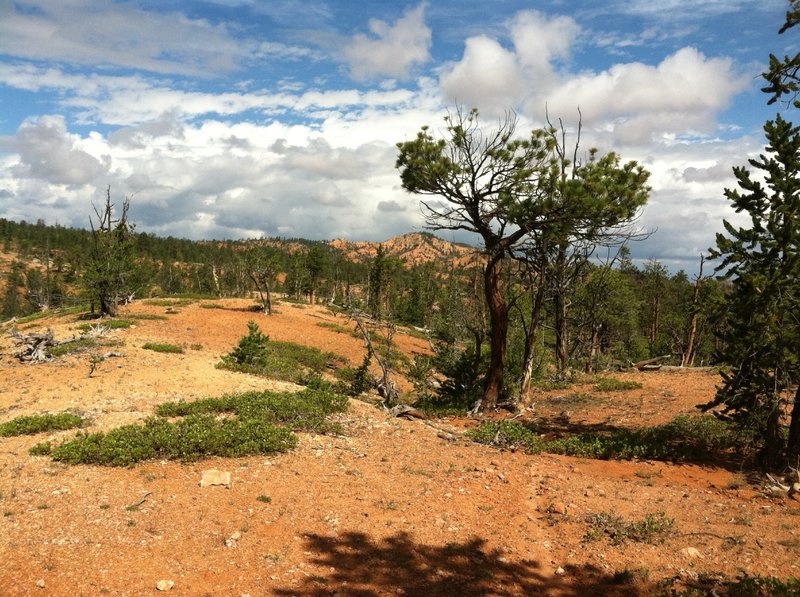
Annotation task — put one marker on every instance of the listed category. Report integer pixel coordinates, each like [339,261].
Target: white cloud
[47,152]
[101,32]
[391,51]
[487,77]
[681,95]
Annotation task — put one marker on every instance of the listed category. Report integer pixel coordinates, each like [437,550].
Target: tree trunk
[215,278]
[793,443]
[498,330]
[773,445]
[691,334]
[656,314]
[530,342]
[268,302]
[562,337]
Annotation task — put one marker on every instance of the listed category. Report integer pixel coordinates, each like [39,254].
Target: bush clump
[683,437]
[653,528]
[32,424]
[609,384]
[287,361]
[306,410]
[167,348]
[194,437]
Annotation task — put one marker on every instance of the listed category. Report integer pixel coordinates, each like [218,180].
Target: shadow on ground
[356,565]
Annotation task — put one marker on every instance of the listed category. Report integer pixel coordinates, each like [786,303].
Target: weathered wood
[651,361]
[35,347]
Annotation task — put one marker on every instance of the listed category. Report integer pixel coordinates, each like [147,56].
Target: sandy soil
[391,507]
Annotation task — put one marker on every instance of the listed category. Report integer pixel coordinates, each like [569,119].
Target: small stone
[601,493]
[691,553]
[40,583]
[165,585]
[231,541]
[560,571]
[214,477]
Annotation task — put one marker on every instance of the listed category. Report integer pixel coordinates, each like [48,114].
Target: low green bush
[81,345]
[41,449]
[653,528]
[287,361]
[194,437]
[168,348]
[685,437]
[28,425]
[306,410]
[609,384]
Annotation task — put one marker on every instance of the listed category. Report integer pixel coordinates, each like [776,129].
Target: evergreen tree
[761,337]
[377,283]
[111,267]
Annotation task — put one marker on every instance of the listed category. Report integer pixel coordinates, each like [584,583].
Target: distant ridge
[414,248]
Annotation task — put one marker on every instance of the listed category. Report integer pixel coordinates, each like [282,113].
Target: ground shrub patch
[28,425]
[260,423]
[287,361]
[609,384]
[81,345]
[159,347]
[653,528]
[685,437]
[192,438]
[302,411]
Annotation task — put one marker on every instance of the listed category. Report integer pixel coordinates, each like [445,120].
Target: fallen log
[35,347]
[648,362]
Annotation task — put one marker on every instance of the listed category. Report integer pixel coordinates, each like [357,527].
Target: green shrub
[168,348]
[81,345]
[683,437]
[167,302]
[306,410]
[653,528]
[287,361]
[41,449]
[194,437]
[29,425]
[609,384]
[148,317]
[509,434]
[111,324]
[251,351]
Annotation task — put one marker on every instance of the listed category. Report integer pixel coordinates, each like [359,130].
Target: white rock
[691,553]
[214,477]
[165,585]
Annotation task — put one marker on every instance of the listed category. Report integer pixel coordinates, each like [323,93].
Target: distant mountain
[413,248]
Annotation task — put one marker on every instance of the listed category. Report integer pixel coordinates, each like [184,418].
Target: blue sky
[243,118]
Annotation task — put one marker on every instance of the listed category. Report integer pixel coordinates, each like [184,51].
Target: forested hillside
[618,312]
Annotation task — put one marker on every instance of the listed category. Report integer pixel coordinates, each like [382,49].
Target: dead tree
[36,347]
[385,386]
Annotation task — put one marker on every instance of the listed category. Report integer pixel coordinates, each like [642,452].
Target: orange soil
[389,508]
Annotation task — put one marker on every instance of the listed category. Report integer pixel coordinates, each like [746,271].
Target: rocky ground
[390,507]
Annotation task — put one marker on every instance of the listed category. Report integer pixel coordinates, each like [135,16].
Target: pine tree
[761,338]
[111,267]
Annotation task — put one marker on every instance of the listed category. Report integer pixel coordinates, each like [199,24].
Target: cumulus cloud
[108,33]
[495,78]
[391,51]
[487,77]
[680,95]
[48,152]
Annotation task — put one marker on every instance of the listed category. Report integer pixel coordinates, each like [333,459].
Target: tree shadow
[358,566]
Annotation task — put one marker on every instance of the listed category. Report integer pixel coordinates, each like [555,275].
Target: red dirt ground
[388,508]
